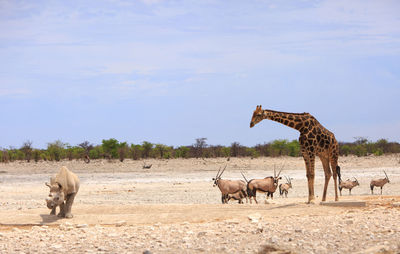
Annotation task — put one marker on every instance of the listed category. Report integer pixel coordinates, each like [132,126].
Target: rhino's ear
[47,184]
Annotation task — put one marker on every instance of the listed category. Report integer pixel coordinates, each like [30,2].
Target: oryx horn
[386,174]
[218,173]
[280,170]
[244,176]
[222,171]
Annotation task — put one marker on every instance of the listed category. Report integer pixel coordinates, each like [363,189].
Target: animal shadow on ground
[272,249]
[47,218]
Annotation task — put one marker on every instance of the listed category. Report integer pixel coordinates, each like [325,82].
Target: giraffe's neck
[296,121]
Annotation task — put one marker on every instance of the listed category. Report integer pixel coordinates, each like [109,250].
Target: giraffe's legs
[334,166]
[310,167]
[328,174]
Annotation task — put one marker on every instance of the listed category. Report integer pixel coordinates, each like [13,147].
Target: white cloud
[14,92]
[127,68]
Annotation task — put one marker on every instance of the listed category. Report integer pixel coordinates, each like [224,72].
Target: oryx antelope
[228,187]
[236,196]
[284,187]
[348,184]
[268,185]
[379,183]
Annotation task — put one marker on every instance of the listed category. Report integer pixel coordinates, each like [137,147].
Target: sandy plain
[173,208]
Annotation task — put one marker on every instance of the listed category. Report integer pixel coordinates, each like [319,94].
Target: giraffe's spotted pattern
[315,140]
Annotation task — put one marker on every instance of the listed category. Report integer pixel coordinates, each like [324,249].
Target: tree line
[113,149]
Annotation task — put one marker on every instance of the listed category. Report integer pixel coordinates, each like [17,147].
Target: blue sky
[172,71]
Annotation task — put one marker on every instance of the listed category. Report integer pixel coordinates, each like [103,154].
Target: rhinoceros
[63,189]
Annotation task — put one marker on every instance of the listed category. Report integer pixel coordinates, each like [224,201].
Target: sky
[170,72]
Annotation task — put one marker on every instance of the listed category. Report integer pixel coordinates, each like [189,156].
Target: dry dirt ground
[173,208]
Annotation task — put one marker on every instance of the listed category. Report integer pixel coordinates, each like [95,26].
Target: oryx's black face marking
[276,179]
[216,181]
[218,176]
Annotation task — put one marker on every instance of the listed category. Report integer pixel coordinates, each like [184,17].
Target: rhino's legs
[68,205]
[53,210]
[61,214]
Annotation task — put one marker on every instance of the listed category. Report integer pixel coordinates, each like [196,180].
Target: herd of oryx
[65,185]
[239,189]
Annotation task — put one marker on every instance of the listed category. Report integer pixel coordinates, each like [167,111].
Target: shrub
[56,150]
[27,150]
[182,152]
[147,147]
[136,151]
[36,155]
[110,147]
[122,150]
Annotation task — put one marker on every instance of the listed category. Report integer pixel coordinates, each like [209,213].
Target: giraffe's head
[257,116]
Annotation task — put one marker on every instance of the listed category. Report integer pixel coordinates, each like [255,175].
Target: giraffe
[315,140]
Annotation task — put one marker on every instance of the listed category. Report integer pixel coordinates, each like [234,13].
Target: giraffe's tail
[338,174]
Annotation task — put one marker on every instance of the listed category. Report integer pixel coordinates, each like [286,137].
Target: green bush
[182,152]
[293,148]
[96,153]
[110,147]
[122,151]
[147,148]
[56,150]
[136,151]
[36,155]
[113,149]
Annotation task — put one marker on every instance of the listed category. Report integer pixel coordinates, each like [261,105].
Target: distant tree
[360,140]
[97,152]
[252,152]
[56,150]
[235,149]
[226,151]
[182,152]
[87,146]
[344,149]
[16,154]
[69,152]
[122,151]
[36,155]
[278,147]
[5,156]
[199,146]
[160,150]
[293,148]
[216,151]
[110,148]
[27,150]
[147,147]
[136,151]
